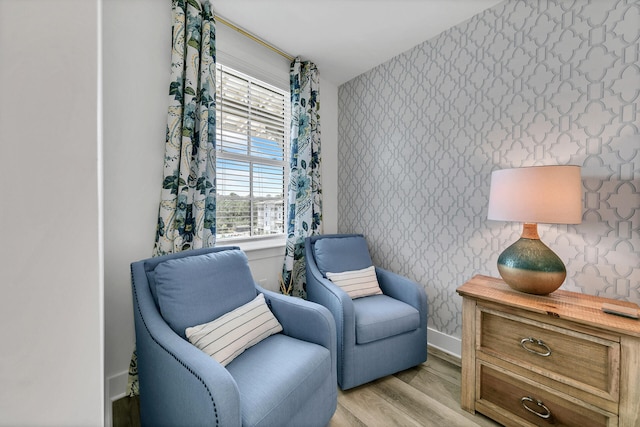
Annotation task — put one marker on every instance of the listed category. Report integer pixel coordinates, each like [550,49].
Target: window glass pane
[252,134]
[268,217]
[268,197]
[268,181]
[233,216]
[267,149]
[233,178]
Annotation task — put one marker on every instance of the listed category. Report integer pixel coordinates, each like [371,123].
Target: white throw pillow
[357,283]
[226,337]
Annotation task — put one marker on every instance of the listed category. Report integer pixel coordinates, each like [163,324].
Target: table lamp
[532,195]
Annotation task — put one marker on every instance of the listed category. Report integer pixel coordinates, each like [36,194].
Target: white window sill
[250,245]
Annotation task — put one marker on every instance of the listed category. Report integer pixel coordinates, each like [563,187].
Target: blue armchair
[287,379]
[377,335]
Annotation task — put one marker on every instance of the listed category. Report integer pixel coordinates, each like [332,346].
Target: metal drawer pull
[544,415]
[525,341]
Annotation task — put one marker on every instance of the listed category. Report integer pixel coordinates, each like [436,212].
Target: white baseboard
[118,385]
[444,342]
[116,389]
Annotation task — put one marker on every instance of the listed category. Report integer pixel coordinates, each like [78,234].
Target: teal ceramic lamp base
[530,266]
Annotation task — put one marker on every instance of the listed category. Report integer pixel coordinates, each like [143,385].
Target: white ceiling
[347,37]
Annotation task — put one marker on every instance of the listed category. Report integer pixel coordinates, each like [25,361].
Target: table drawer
[583,361]
[506,399]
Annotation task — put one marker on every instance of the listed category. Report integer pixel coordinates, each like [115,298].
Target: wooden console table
[531,360]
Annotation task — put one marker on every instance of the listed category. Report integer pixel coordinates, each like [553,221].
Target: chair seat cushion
[380,316]
[277,376]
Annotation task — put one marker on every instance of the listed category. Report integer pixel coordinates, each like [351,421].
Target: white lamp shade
[538,194]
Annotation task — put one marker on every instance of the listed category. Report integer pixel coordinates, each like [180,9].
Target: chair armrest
[328,294]
[305,320]
[331,296]
[405,290]
[179,384]
[301,319]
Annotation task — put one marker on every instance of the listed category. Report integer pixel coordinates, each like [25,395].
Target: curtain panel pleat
[187,211]
[304,188]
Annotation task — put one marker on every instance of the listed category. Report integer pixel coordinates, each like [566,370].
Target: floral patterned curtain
[187,212]
[305,192]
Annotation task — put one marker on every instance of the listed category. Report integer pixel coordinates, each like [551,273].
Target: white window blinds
[251,135]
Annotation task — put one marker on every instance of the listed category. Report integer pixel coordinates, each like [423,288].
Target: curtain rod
[258,40]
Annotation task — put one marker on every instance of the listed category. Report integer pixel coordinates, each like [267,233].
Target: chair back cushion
[197,289]
[339,254]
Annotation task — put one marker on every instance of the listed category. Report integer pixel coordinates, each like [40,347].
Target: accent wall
[521,84]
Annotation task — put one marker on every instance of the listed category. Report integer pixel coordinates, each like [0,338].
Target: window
[252,130]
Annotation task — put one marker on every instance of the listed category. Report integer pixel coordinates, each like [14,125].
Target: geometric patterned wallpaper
[521,84]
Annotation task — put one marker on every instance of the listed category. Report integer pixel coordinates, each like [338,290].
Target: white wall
[136,55]
[137,41]
[329,138]
[51,361]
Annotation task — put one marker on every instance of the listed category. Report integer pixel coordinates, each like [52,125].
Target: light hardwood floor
[427,395]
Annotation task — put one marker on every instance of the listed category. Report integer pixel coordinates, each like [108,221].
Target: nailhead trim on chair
[215,409]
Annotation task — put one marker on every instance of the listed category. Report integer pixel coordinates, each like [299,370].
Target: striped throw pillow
[226,337]
[357,283]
